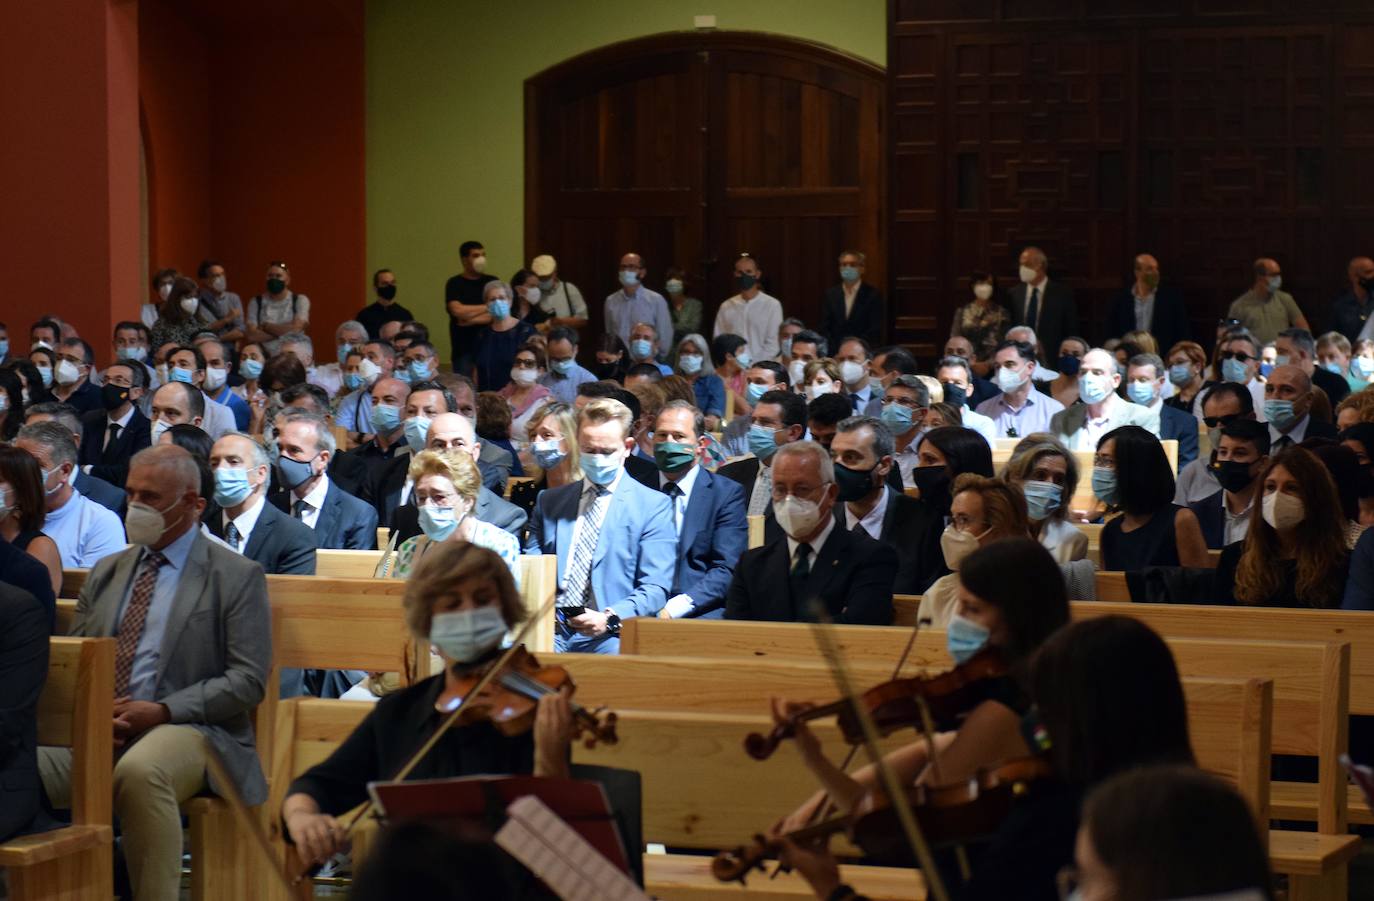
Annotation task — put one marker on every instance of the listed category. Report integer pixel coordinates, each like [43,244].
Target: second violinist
[462,600]
[1011,597]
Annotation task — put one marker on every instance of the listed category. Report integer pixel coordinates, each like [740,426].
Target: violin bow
[830,649]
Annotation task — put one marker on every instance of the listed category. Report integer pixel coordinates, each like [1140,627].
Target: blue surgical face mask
[1042,498]
[250,369]
[438,523]
[499,309]
[466,635]
[1280,413]
[548,453]
[690,364]
[231,486]
[180,374]
[601,469]
[1180,374]
[1362,367]
[132,353]
[1234,371]
[641,349]
[563,367]
[45,373]
[762,443]
[1275,283]
[849,274]
[1105,487]
[4,347]
[419,370]
[1332,367]
[743,359]
[629,278]
[344,351]
[754,392]
[1265,369]
[352,381]
[1093,388]
[786,347]
[964,638]
[417,429]
[385,418]
[897,417]
[1142,393]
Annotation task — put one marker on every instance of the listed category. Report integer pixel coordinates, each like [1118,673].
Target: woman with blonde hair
[1188,373]
[552,458]
[1295,554]
[462,601]
[983,510]
[820,377]
[1047,474]
[446,489]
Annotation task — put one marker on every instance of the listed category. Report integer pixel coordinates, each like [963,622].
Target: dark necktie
[231,535]
[1283,443]
[135,615]
[801,570]
[675,495]
[1033,308]
[112,434]
[298,508]
[854,401]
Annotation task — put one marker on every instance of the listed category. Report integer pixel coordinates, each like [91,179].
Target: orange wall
[69,163]
[255,148]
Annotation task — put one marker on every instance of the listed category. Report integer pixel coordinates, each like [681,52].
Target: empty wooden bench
[75,711]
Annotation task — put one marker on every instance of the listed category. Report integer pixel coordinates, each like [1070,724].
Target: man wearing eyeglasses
[1222,404]
[1240,362]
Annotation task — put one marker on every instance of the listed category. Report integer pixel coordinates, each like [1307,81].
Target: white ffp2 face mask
[1282,511]
[797,516]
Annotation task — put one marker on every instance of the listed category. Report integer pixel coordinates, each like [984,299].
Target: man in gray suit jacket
[1082,425]
[194,645]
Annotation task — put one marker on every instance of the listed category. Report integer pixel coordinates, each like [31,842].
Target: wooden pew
[334,564]
[72,581]
[74,711]
[1292,800]
[756,530]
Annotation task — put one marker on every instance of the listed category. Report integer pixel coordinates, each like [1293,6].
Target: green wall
[445,112]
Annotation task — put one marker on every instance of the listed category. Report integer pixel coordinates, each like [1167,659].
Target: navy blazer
[912,529]
[1212,518]
[632,567]
[24,630]
[1168,320]
[111,497]
[345,523]
[278,543]
[715,533]
[851,574]
[1058,315]
[1182,427]
[112,463]
[865,319]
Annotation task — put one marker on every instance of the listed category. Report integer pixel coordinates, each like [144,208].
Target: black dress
[392,732]
[1153,544]
[25,538]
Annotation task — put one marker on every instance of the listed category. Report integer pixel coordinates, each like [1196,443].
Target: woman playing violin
[1011,597]
[1107,699]
[462,600]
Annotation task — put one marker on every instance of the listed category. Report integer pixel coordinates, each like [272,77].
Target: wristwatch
[612,622]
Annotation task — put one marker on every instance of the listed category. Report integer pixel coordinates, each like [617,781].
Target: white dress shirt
[816,544]
[244,522]
[685,485]
[314,502]
[756,320]
[873,521]
[1295,434]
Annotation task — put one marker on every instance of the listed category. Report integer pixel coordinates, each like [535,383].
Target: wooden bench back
[333,564]
[345,624]
[75,711]
[756,530]
[72,581]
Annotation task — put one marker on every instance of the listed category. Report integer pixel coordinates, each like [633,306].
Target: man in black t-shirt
[385,308]
[466,311]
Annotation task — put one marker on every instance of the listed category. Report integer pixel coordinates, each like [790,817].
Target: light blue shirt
[1034,415]
[623,311]
[354,411]
[564,387]
[85,532]
[143,676]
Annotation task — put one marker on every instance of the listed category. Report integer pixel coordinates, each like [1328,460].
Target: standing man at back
[853,308]
[1266,309]
[1048,308]
[634,303]
[753,315]
[467,312]
[193,648]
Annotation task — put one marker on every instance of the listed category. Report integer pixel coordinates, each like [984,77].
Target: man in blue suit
[708,515]
[613,537]
[340,520]
[1144,382]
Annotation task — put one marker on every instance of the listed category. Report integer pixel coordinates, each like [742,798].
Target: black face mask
[1233,475]
[387,292]
[933,482]
[1364,483]
[1367,284]
[745,282]
[113,396]
[275,286]
[955,395]
[604,371]
[853,484]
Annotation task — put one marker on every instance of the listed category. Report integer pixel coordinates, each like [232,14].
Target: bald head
[171,465]
[451,431]
[1287,376]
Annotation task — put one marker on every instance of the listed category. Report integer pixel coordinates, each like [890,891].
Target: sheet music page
[535,836]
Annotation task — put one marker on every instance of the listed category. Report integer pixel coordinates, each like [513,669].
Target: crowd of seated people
[214,445]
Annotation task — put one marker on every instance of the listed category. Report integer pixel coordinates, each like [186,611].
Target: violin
[896,704]
[948,814]
[509,699]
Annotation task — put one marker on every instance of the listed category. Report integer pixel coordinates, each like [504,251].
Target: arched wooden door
[692,148]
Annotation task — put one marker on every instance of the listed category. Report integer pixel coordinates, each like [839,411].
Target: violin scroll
[594,726]
[733,866]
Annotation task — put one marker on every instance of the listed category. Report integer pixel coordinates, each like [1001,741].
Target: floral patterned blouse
[484,534]
[982,325]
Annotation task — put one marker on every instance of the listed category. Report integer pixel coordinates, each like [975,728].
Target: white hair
[811,450]
[351,325]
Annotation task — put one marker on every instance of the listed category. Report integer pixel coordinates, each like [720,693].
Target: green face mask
[674,457]
[275,286]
